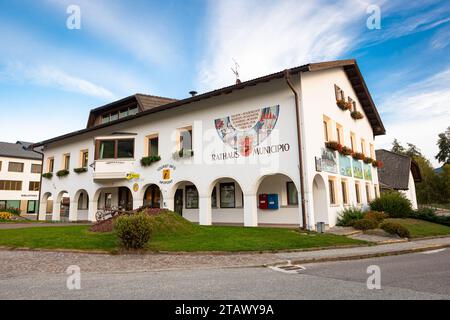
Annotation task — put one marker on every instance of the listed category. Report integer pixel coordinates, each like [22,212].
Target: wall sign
[245,131]
[166,173]
[132,175]
[367,172]
[345,166]
[357,169]
[329,161]
[135,187]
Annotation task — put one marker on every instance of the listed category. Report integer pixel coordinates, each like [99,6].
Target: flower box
[333,145]
[377,164]
[368,160]
[346,151]
[357,115]
[47,175]
[147,161]
[80,170]
[183,153]
[358,156]
[62,173]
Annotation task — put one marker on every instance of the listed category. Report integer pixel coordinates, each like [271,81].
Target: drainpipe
[287,76]
[40,182]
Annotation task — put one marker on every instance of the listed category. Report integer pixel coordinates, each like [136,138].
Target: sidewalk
[6,226]
[364,252]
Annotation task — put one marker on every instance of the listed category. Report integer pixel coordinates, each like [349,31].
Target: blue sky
[50,76]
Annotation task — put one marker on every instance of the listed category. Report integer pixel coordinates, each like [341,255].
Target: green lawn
[420,228]
[198,238]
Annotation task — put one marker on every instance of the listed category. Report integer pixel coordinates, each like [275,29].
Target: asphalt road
[413,276]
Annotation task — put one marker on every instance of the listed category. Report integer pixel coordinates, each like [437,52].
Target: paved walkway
[5,226]
[19,262]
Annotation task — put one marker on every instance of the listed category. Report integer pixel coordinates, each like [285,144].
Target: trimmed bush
[133,231]
[395,228]
[393,203]
[365,224]
[348,216]
[429,214]
[376,215]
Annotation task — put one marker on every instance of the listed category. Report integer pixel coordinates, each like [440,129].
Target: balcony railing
[113,169]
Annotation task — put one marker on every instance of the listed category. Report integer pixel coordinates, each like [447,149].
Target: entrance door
[152,197]
[125,199]
[179,201]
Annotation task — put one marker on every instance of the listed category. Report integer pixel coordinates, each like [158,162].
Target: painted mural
[329,161]
[367,172]
[245,131]
[357,169]
[345,166]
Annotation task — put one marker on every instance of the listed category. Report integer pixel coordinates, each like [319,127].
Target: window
[153,145]
[51,164]
[114,149]
[32,206]
[13,204]
[83,201]
[10,185]
[84,158]
[363,146]
[15,167]
[372,151]
[191,197]
[34,186]
[375,191]
[344,191]
[185,139]
[353,141]
[106,118]
[227,195]
[66,162]
[292,195]
[332,191]
[339,93]
[0,166]
[357,193]
[339,134]
[368,192]
[214,198]
[122,113]
[327,128]
[108,200]
[36,168]
[2,204]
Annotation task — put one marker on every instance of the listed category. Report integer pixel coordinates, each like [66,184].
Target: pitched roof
[395,170]
[350,67]
[18,150]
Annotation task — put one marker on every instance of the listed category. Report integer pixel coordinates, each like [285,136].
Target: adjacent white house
[20,177]
[255,153]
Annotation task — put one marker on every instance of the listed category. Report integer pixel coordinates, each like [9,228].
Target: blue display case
[272,200]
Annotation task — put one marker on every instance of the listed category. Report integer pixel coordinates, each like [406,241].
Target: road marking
[433,251]
[288,268]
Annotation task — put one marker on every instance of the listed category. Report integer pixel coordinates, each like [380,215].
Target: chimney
[238,81]
[193,93]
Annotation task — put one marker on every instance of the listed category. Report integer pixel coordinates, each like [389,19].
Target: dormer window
[119,114]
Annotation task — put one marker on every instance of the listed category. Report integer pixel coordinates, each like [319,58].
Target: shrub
[376,215]
[395,228]
[394,203]
[133,231]
[348,216]
[5,216]
[147,161]
[429,214]
[80,170]
[47,175]
[13,211]
[365,224]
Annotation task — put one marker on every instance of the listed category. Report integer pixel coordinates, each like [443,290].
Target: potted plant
[333,145]
[183,153]
[358,156]
[62,173]
[47,175]
[147,161]
[80,170]
[346,151]
[357,115]
[368,160]
[377,164]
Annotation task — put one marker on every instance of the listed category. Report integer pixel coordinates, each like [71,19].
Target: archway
[320,200]
[278,200]
[152,196]
[119,198]
[61,207]
[45,206]
[186,200]
[81,206]
[227,201]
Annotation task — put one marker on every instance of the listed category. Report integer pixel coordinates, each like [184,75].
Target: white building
[20,176]
[225,155]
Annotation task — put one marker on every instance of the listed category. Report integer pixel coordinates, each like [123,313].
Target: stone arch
[186,198]
[61,206]
[46,205]
[80,206]
[152,196]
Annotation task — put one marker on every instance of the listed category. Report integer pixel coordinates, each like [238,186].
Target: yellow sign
[166,174]
[135,187]
[132,176]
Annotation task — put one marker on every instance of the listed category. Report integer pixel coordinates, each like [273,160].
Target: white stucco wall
[411,192]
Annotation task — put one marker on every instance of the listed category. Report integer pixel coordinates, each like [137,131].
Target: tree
[397,147]
[444,147]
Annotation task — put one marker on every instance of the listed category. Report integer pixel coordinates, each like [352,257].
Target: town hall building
[293,148]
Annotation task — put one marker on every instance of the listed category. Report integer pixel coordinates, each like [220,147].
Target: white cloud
[267,36]
[418,113]
[53,77]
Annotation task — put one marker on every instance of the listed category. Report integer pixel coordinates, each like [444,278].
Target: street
[423,275]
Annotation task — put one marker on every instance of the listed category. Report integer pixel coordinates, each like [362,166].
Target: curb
[360,256]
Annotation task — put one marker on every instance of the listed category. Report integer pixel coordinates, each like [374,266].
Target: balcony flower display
[80,170]
[147,161]
[343,105]
[368,160]
[47,175]
[62,173]
[377,164]
[357,115]
[333,145]
[346,151]
[358,156]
